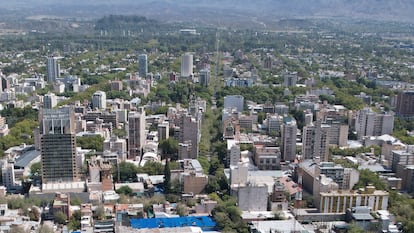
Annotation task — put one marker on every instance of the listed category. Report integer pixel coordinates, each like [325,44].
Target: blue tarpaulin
[204,222]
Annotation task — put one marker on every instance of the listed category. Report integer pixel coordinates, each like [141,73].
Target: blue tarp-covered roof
[204,222]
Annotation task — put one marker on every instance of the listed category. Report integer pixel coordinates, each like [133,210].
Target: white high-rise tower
[187,65]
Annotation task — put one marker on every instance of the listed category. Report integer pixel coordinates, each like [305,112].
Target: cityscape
[137,117]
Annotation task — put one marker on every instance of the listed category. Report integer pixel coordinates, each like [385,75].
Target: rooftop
[199,221]
[26,158]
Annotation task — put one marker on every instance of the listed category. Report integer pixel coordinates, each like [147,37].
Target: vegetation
[367,177]
[228,216]
[90,142]
[128,171]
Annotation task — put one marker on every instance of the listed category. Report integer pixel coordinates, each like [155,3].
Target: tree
[74,221]
[126,190]
[367,177]
[60,217]
[99,213]
[127,171]
[169,148]
[45,229]
[182,210]
[90,142]
[167,177]
[36,168]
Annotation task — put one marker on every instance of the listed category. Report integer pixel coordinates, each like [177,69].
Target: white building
[99,100]
[187,65]
[370,123]
[289,131]
[49,100]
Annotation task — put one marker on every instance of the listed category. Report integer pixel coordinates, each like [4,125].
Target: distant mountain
[211,11]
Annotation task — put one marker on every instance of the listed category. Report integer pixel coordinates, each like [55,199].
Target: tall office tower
[267,63]
[315,141]
[189,133]
[290,79]
[234,101]
[289,131]
[204,77]
[405,104]
[52,68]
[187,65]
[49,101]
[136,134]
[370,123]
[58,145]
[143,65]
[99,100]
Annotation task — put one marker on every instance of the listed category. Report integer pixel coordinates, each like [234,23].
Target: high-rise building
[315,141]
[58,145]
[143,65]
[290,79]
[234,101]
[187,65]
[52,68]
[289,131]
[49,101]
[370,123]
[136,134]
[163,131]
[405,104]
[204,77]
[99,100]
[189,133]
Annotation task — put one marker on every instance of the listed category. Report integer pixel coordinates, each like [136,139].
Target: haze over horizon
[205,10]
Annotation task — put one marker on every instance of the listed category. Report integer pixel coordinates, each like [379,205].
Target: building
[289,131]
[267,158]
[315,141]
[204,77]
[252,197]
[187,65]
[163,131]
[189,134]
[8,175]
[99,100]
[406,173]
[49,100]
[339,201]
[117,145]
[405,104]
[234,154]
[370,123]
[117,85]
[52,68]
[404,157]
[274,124]
[4,127]
[142,65]
[290,79]
[331,170]
[136,134]
[338,132]
[234,101]
[58,145]
[194,182]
